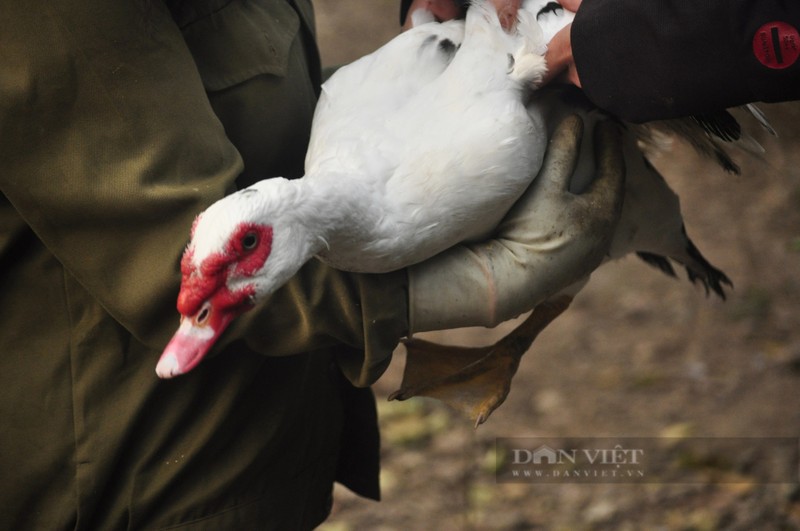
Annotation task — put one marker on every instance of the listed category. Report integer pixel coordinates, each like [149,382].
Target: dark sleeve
[110,147]
[645,60]
[404,5]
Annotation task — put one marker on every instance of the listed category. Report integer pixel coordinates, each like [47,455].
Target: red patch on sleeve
[776,45]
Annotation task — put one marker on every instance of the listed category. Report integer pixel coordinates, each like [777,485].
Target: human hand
[507,12]
[549,240]
[560,63]
[448,10]
[440,9]
[571,5]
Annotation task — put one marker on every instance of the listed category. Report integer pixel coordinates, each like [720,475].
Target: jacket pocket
[242,40]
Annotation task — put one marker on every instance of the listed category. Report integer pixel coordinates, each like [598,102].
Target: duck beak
[189,345]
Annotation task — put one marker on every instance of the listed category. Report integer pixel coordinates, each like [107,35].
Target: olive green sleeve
[110,148]
[322,307]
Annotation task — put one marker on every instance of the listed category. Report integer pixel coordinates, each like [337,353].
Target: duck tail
[529,66]
[524,42]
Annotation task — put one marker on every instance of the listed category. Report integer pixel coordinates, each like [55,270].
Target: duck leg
[473,380]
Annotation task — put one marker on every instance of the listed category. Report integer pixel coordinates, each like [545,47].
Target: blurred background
[637,354]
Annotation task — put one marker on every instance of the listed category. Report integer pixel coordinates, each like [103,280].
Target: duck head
[242,249]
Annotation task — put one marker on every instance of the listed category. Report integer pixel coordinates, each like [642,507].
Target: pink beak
[188,346]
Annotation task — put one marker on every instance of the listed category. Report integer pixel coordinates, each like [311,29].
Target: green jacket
[119,122]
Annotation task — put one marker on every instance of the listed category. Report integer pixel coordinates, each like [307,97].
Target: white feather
[418,146]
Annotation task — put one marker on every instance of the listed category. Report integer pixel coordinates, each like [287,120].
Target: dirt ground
[638,354]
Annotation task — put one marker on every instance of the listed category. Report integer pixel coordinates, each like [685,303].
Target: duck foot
[473,380]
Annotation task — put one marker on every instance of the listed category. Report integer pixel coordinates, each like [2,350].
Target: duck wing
[358,97]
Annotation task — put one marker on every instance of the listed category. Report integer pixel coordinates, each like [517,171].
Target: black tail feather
[726,161]
[720,124]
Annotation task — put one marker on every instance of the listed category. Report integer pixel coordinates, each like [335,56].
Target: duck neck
[321,210]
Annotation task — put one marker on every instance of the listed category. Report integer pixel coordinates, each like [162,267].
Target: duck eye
[249,241]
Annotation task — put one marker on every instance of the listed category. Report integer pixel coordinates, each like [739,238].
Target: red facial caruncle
[206,301]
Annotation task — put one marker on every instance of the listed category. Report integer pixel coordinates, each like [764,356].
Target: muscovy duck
[420,145]
[409,156]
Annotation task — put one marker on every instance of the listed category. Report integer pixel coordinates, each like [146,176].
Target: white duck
[372,176]
[380,195]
